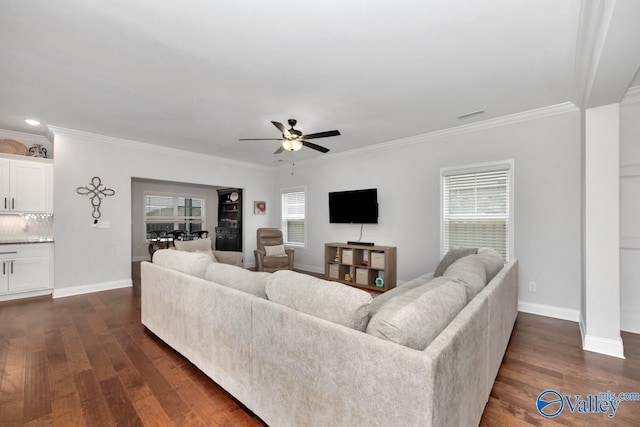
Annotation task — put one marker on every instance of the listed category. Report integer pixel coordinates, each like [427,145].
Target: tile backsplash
[28,227]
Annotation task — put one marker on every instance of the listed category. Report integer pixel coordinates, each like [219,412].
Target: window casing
[477,207]
[164,213]
[293,216]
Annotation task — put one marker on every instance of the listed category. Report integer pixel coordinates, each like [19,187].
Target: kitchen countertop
[23,242]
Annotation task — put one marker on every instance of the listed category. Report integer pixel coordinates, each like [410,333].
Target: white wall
[546,152]
[139,244]
[97,258]
[629,216]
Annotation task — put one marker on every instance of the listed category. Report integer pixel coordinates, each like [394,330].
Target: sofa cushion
[191,263]
[452,256]
[325,299]
[470,270]
[416,317]
[252,282]
[492,260]
[382,299]
[193,245]
[208,252]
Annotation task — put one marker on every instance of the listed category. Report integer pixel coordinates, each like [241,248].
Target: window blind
[476,210]
[167,213]
[293,217]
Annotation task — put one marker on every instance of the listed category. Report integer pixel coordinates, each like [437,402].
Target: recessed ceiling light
[473,113]
[31,122]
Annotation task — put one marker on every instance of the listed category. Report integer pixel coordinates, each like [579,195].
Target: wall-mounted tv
[354,207]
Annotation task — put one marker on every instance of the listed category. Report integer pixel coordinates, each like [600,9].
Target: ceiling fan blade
[321,134]
[279,150]
[282,129]
[315,146]
[260,139]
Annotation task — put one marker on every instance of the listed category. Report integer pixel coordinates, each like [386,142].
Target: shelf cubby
[363,265]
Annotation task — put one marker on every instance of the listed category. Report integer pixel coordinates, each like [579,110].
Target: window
[477,207]
[293,216]
[164,213]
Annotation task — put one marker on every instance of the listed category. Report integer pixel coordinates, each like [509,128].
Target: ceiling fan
[293,140]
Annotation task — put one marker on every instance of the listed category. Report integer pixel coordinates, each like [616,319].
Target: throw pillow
[277,250]
[452,256]
[193,245]
[208,252]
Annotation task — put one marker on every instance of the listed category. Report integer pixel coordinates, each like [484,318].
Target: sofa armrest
[259,255]
[229,257]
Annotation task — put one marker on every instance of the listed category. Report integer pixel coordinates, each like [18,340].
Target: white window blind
[293,217]
[476,210]
[164,213]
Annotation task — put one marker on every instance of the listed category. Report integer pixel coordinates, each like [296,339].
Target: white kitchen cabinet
[26,270]
[26,185]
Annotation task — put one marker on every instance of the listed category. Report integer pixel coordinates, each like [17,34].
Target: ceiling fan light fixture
[292,144]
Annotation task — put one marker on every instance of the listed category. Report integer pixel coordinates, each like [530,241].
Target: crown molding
[30,138]
[553,110]
[593,25]
[96,138]
[632,96]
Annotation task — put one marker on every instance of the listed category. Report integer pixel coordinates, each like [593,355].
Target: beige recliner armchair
[274,257]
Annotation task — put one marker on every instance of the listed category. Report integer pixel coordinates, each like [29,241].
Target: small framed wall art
[259,207]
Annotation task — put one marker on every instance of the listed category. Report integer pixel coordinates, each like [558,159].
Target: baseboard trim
[87,289]
[604,346]
[549,311]
[27,294]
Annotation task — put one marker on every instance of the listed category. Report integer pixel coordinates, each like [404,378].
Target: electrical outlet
[533,286]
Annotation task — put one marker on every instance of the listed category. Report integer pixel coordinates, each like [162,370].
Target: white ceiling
[199,74]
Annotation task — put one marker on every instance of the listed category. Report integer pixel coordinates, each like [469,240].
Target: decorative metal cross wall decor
[96,192]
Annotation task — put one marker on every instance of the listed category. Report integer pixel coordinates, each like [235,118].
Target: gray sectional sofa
[301,351]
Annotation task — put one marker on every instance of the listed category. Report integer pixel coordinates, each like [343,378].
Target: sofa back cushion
[192,263]
[416,317]
[492,260]
[325,299]
[470,270]
[252,282]
[193,245]
[382,299]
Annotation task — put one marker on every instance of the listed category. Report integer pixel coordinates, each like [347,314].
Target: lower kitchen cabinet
[26,270]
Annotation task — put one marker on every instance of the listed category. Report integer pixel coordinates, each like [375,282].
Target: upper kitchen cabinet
[26,185]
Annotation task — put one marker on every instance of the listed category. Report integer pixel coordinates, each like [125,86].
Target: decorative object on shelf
[9,146]
[96,192]
[234,196]
[347,277]
[259,207]
[37,150]
[379,282]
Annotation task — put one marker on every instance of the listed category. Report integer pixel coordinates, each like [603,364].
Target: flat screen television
[354,207]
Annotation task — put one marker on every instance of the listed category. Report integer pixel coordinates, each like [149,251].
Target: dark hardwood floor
[87,360]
